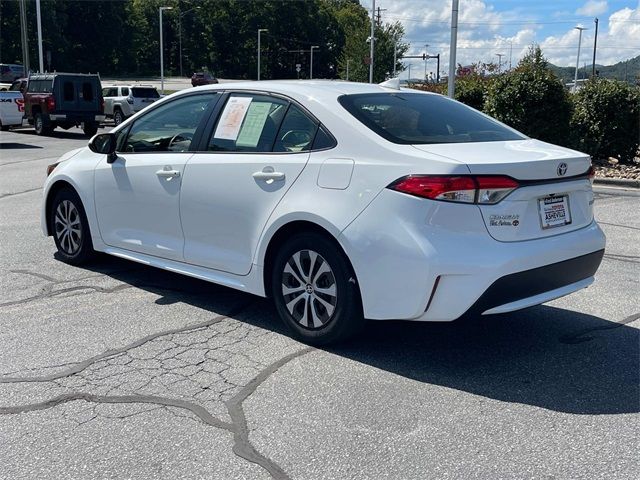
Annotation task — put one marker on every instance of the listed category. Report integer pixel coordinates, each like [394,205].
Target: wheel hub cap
[309,289]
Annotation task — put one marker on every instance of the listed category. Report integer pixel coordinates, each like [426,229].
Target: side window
[296,132]
[323,140]
[68,91]
[248,123]
[87,91]
[124,91]
[105,92]
[170,127]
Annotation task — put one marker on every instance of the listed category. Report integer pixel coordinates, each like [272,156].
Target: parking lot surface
[118,370]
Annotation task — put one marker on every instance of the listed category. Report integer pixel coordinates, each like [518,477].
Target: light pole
[575,80]
[426,57]
[371,45]
[260,30]
[162,50]
[39,25]
[180,33]
[499,55]
[311,61]
[452,48]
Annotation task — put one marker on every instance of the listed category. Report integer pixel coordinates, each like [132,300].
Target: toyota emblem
[562,169]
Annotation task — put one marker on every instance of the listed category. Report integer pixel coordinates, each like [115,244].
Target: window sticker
[231,120]
[253,124]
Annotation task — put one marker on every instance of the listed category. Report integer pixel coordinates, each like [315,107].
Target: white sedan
[340,201]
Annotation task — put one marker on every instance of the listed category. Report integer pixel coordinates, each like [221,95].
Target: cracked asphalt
[118,370]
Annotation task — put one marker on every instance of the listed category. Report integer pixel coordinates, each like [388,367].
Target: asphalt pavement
[118,370]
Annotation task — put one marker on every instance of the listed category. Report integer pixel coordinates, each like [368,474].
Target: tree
[531,99]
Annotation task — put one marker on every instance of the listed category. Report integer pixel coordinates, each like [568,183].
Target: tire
[118,117]
[70,229]
[90,129]
[40,124]
[4,128]
[306,263]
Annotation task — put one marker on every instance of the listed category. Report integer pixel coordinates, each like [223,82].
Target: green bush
[606,119]
[471,90]
[532,100]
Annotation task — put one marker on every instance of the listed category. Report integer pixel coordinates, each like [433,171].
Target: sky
[509,27]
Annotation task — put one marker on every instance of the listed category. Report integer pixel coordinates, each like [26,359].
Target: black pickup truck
[64,100]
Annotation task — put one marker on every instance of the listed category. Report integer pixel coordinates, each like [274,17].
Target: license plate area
[554,211]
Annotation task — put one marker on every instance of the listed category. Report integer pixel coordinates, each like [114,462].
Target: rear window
[414,118]
[40,86]
[139,92]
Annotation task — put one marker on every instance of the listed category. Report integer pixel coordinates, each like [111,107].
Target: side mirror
[104,143]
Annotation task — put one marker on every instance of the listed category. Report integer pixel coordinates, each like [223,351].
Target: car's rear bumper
[433,261]
[70,117]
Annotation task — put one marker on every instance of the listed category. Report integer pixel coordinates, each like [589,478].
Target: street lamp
[260,30]
[180,32]
[311,66]
[575,80]
[162,50]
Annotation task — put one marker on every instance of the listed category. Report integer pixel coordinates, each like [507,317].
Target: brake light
[51,103]
[486,190]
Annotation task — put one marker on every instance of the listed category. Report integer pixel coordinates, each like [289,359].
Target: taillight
[51,104]
[485,190]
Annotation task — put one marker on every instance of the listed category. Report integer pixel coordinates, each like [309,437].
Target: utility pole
[425,58]
[39,24]
[372,39]
[311,62]
[160,9]
[575,80]
[595,42]
[260,30]
[452,48]
[499,55]
[379,21]
[25,37]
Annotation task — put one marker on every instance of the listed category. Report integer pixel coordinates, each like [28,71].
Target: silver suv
[122,101]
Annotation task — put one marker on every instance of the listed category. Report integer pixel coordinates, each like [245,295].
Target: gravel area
[612,168]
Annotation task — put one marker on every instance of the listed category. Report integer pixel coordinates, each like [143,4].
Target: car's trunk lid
[544,204]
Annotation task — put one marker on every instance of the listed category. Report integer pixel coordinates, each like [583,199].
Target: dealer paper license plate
[554,211]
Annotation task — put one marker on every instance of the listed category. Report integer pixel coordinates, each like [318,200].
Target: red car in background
[202,78]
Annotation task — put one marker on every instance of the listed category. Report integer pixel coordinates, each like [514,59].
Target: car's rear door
[258,145]
[138,195]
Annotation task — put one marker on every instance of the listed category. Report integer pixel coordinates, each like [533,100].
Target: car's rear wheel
[70,228]
[315,290]
[90,129]
[118,116]
[40,125]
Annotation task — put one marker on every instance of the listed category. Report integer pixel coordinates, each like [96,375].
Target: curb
[618,182]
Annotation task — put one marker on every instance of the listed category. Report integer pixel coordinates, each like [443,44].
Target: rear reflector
[457,188]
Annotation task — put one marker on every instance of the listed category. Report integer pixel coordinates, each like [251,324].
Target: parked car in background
[341,201]
[64,100]
[19,85]
[122,101]
[10,72]
[202,78]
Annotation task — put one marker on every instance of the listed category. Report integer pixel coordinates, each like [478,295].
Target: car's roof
[305,88]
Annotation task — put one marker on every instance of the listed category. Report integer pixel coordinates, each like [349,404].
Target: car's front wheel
[118,116]
[315,291]
[70,228]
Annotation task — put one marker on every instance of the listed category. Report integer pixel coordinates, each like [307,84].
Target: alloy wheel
[309,289]
[68,228]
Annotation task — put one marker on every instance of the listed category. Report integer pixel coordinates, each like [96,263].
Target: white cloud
[593,7]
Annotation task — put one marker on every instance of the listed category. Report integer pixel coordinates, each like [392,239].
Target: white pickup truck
[11,109]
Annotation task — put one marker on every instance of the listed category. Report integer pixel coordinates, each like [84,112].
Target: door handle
[168,173]
[266,176]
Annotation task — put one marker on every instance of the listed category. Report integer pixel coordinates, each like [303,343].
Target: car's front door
[138,195]
[257,149]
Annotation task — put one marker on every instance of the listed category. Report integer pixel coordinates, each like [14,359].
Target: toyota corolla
[340,201]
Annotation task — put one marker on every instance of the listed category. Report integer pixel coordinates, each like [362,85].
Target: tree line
[121,38]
